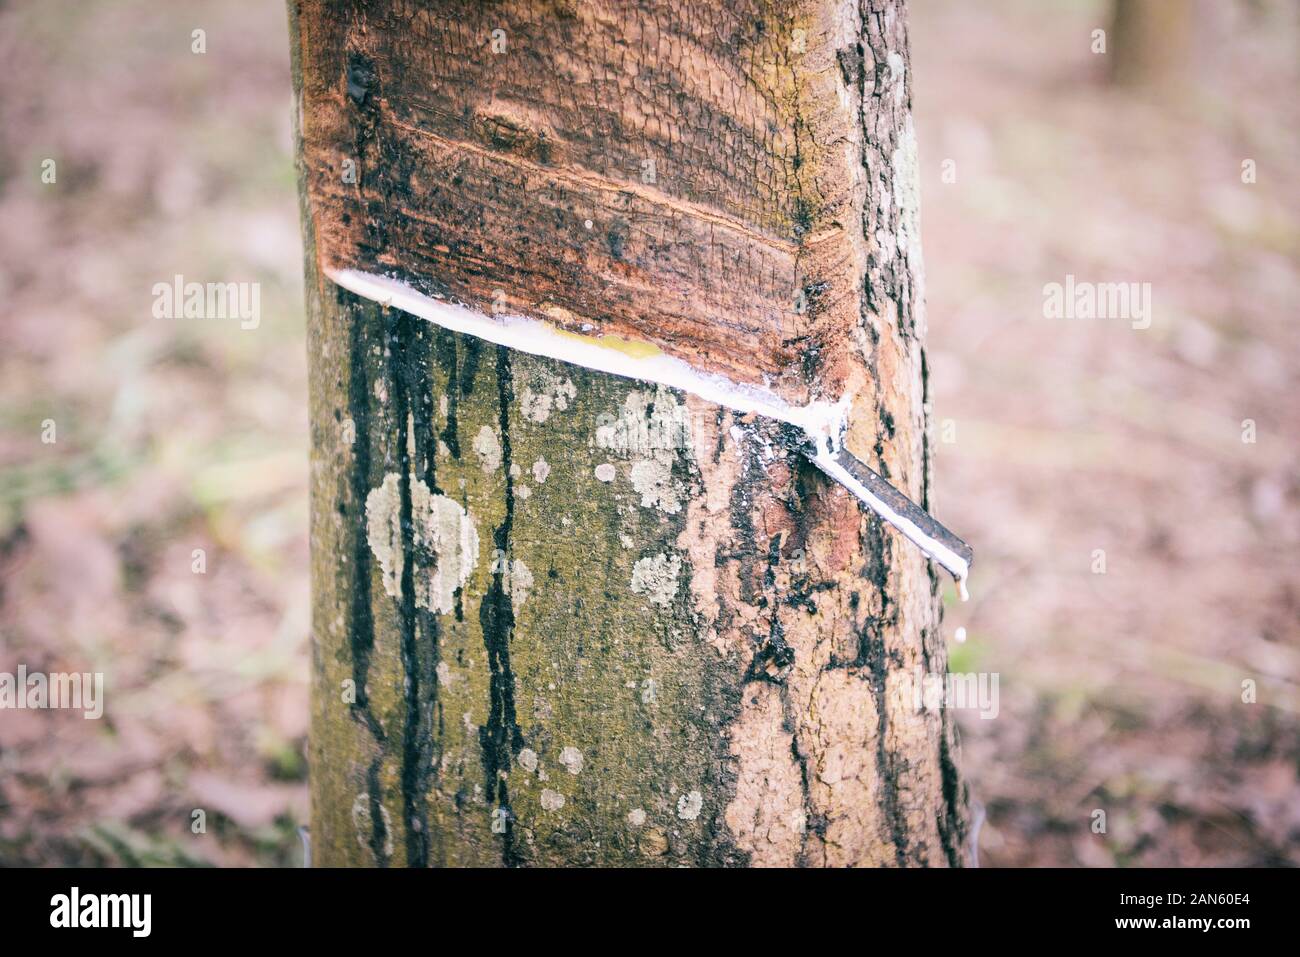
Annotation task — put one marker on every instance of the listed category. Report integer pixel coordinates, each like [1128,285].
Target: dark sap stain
[360,77]
[500,739]
[361,627]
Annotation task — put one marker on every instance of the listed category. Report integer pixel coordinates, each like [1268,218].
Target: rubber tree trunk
[566,618]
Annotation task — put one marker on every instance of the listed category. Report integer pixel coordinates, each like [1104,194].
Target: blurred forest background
[1119,691]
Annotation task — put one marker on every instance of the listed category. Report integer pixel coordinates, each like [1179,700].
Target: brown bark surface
[687,174]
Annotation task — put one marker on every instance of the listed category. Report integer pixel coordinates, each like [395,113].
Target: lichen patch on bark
[656,577]
[518,579]
[488,449]
[444,536]
[653,479]
[546,393]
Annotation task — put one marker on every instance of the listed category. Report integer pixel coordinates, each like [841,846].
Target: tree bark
[562,617]
[1151,43]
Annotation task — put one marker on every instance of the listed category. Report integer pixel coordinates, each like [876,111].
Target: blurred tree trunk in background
[541,636]
[1151,43]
